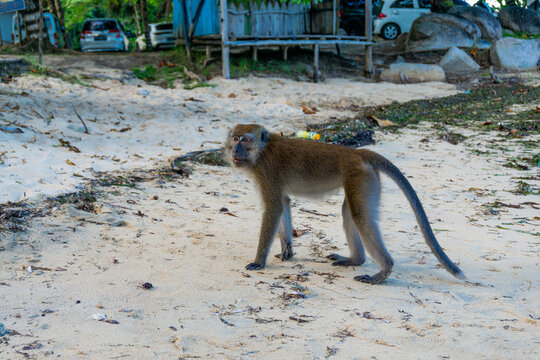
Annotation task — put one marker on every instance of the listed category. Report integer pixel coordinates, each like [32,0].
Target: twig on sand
[80,118]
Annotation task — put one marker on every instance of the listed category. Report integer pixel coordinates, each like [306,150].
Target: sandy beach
[156,270]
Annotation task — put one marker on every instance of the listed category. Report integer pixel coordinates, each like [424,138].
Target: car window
[99,25]
[164,27]
[47,23]
[16,24]
[424,4]
[403,4]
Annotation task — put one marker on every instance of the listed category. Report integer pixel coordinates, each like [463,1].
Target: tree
[144,16]
[30,18]
[136,17]
[59,11]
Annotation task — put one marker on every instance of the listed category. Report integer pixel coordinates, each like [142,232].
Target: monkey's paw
[285,255]
[343,261]
[368,279]
[254,266]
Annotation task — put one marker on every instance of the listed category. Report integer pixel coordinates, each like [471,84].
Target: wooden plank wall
[322,18]
[268,20]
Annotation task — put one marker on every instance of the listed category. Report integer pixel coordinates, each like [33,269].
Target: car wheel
[390,31]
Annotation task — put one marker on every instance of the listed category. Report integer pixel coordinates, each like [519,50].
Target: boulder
[403,73]
[519,19]
[440,32]
[13,66]
[515,54]
[488,24]
[457,62]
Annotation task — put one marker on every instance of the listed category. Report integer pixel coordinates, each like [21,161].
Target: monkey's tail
[386,166]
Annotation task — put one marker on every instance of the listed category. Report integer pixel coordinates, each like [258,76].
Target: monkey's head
[245,143]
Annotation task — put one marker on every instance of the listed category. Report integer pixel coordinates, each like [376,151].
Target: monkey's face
[241,147]
[244,144]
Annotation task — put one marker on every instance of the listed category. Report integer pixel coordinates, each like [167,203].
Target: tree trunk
[144,16]
[40,31]
[167,11]
[136,17]
[59,11]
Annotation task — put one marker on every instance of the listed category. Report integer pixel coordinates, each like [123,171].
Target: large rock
[440,32]
[488,24]
[515,54]
[403,73]
[13,66]
[457,62]
[519,19]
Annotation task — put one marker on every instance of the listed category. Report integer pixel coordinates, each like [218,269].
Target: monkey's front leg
[285,231]
[270,222]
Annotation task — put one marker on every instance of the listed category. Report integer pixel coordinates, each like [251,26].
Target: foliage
[503,3]
[520,35]
[148,74]
[172,67]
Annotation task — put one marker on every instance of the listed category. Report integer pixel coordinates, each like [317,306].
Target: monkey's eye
[245,139]
[236,138]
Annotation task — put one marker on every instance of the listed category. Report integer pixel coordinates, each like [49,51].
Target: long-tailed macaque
[282,166]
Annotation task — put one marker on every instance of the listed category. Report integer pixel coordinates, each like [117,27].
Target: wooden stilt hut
[256,25]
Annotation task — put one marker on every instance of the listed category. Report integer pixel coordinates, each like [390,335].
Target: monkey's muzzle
[238,161]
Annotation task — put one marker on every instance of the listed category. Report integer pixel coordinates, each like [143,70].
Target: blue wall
[5,27]
[208,21]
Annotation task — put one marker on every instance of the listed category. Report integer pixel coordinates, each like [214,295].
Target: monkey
[283,167]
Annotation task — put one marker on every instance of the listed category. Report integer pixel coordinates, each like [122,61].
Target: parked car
[352,15]
[104,35]
[397,16]
[50,22]
[161,36]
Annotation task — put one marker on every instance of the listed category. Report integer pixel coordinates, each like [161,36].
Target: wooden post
[186,24]
[316,63]
[193,26]
[285,50]
[19,24]
[224,38]
[368,56]
[254,53]
[40,41]
[334,18]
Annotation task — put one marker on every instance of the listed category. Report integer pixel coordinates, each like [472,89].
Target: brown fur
[283,167]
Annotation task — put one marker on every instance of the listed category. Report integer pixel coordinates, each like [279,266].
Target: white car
[103,35]
[161,36]
[397,16]
[50,22]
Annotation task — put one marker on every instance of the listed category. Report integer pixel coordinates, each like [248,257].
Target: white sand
[204,304]
[154,125]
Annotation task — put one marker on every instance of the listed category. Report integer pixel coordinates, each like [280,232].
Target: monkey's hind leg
[285,231]
[358,256]
[363,202]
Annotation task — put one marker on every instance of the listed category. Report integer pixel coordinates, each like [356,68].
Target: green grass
[520,35]
[485,109]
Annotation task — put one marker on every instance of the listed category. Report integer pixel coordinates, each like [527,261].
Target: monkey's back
[308,167]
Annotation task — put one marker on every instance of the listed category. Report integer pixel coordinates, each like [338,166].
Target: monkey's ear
[264,135]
